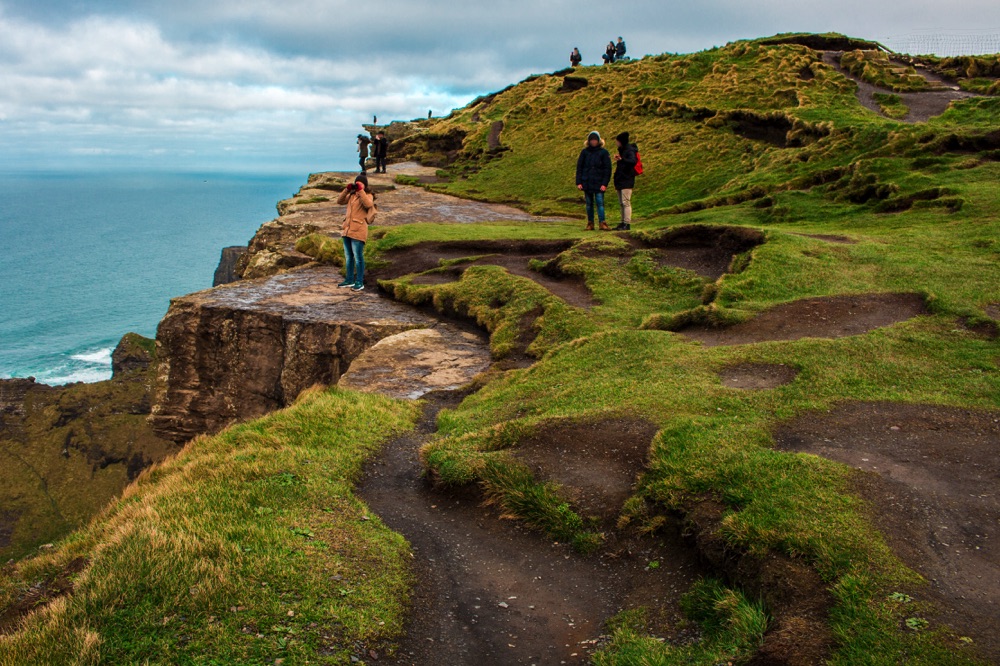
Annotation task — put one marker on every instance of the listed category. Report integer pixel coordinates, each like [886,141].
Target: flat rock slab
[243,350]
[932,475]
[831,317]
[310,295]
[414,363]
[757,376]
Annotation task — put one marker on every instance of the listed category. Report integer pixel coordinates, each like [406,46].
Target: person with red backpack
[628,167]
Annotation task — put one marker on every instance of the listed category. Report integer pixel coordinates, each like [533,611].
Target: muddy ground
[489,591]
[932,476]
[829,317]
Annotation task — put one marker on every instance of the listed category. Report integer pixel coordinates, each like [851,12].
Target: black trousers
[380,163]
[362,163]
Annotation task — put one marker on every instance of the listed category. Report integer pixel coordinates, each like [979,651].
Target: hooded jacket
[356,221]
[625,171]
[593,167]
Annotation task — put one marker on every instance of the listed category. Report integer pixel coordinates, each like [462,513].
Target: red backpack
[638,161]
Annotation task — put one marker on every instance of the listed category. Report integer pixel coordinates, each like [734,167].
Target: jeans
[625,199]
[354,260]
[595,199]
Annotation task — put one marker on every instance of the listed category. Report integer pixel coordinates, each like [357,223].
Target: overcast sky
[284,86]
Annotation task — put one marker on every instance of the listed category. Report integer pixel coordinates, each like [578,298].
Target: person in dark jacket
[620,49]
[609,53]
[363,142]
[626,160]
[381,150]
[575,58]
[593,172]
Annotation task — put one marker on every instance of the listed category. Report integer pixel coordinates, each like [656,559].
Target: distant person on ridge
[363,142]
[620,49]
[609,53]
[381,151]
[626,158]
[360,204]
[593,172]
[575,58]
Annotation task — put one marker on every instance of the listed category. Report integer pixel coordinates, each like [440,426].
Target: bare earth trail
[922,105]
[490,591]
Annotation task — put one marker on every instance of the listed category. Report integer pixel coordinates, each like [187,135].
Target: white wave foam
[86,375]
[99,357]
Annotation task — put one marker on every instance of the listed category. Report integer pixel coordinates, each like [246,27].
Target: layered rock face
[225,272]
[240,351]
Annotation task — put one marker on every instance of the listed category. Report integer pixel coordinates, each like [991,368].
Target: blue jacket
[593,168]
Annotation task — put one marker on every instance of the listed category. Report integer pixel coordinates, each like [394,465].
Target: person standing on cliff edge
[361,210]
[593,173]
[381,151]
[363,142]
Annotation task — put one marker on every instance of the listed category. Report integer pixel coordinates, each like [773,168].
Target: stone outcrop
[133,353]
[240,351]
[226,270]
[412,364]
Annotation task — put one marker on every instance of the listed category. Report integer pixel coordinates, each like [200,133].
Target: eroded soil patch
[757,376]
[706,250]
[993,311]
[514,256]
[932,476]
[489,591]
[40,595]
[597,463]
[829,317]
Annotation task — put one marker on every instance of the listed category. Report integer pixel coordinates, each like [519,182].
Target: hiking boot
[621,227]
[605,227]
[358,287]
[590,227]
[346,283]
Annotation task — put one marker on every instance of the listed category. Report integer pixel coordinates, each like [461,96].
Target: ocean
[88,257]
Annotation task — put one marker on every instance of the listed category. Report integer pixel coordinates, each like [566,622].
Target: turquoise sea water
[86,258]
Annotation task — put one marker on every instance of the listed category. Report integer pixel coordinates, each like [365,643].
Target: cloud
[229,80]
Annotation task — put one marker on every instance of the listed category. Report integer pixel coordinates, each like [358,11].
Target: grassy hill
[241,550]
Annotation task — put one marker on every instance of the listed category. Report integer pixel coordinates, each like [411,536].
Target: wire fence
[945,44]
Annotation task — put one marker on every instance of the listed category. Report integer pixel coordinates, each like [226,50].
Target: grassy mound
[246,547]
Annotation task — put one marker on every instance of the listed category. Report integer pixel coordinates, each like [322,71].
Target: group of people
[594,169]
[380,151]
[593,174]
[614,51]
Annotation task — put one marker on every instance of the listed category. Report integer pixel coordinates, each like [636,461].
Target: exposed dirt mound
[491,592]
[795,595]
[573,83]
[514,256]
[830,317]
[757,376]
[824,42]
[495,131]
[597,463]
[931,475]
[39,595]
[706,250]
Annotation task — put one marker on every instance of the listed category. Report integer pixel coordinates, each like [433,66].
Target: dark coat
[593,168]
[620,50]
[625,171]
[381,147]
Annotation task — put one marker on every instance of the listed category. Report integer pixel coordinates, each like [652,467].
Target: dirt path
[922,105]
[932,476]
[491,592]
